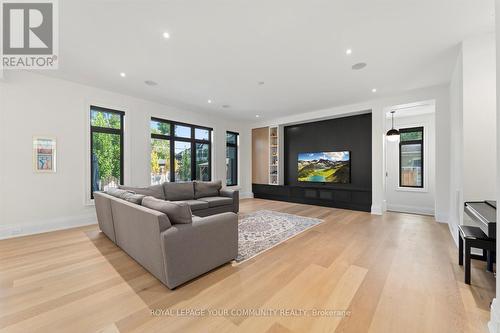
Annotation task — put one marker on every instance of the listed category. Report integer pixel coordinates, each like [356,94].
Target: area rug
[264,229]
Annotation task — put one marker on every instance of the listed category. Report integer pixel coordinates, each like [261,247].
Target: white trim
[411,189]
[60,223]
[454,232]
[441,217]
[246,195]
[376,210]
[425,125]
[494,323]
[411,209]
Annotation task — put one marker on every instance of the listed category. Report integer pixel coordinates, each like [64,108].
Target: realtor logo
[29,34]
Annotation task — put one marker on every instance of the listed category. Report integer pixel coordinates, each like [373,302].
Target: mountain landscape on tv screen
[324,167]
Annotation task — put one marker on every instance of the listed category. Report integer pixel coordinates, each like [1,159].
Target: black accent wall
[353,133]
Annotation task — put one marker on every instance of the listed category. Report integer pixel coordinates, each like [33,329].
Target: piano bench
[474,237]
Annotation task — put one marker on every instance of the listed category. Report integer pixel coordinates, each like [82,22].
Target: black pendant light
[392,134]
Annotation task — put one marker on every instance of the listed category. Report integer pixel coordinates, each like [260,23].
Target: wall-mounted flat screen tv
[325,167]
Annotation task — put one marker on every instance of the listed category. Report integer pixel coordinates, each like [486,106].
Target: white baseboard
[454,232]
[376,210]
[411,209]
[246,195]
[384,206]
[441,217]
[60,223]
[494,323]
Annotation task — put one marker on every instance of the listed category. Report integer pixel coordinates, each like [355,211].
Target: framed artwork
[44,154]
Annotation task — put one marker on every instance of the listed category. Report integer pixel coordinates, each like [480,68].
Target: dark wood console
[347,198]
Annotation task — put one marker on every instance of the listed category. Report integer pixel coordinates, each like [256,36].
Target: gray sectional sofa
[204,198]
[154,225]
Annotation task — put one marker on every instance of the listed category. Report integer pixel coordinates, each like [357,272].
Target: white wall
[412,200]
[456,149]
[438,93]
[479,117]
[473,126]
[32,104]
[494,323]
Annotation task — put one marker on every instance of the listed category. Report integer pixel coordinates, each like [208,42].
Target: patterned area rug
[264,229]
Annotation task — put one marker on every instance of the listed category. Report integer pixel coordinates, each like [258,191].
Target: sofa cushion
[178,191]
[177,212]
[152,191]
[217,201]
[206,189]
[195,204]
[104,214]
[134,198]
[126,195]
[118,193]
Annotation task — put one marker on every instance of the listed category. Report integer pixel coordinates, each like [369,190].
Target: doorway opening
[410,160]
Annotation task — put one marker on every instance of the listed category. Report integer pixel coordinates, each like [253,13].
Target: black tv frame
[326,183]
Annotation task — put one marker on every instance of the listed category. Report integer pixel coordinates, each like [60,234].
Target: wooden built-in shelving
[273,155]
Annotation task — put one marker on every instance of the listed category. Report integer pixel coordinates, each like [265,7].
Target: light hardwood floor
[396,273]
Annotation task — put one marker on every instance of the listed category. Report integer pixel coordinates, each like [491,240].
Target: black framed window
[179,151]
[106,148]
[231,158]
[411,157]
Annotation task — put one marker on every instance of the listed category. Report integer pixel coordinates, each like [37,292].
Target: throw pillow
[153,190]
[118,193]
[126,195]
[178,191]
[177,212]
[207,189]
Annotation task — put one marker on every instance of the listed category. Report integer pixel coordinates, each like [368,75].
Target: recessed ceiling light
[374,90]
[257,116]
[123,74]
[209,101]
[348,51]
[150,83]
[358,66]
[166,35]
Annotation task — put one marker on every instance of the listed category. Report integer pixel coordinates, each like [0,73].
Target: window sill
[412,189]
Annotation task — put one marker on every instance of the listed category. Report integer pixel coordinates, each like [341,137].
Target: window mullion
[106,130]
[193,142]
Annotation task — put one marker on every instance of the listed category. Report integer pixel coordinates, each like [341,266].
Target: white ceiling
[221,49]
[411,109]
